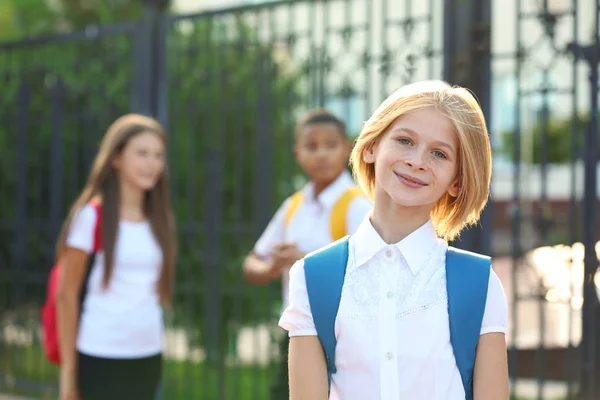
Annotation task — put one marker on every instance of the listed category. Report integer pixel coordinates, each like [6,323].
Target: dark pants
[119,379]
[280,388]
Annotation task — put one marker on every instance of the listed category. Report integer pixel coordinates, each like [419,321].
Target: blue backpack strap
[324,271]
[467,277]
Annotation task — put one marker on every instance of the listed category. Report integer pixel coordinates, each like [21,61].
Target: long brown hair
[103,184]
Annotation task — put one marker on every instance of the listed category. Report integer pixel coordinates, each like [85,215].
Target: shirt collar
[415,248]
[331,193]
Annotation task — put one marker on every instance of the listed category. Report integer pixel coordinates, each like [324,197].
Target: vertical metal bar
[263,183]
[385,52]
[314,64]
[191,185]
[544,148]
[467,62]
[291,102]
[213,217]
[324,56]
[143,43]
[369,57]
[408,17]
[431,41]
[346,92]
[449,38]
[590,302]
[21,217]
[161,94]
[56,165]
[544,122]
[481,34]
[210,235]
[575,148]
[516,249]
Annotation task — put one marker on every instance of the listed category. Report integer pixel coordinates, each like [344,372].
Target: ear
[454,188]
[369,155]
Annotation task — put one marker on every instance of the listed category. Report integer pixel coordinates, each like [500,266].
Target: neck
[131,202]
[393,222]
[320,186]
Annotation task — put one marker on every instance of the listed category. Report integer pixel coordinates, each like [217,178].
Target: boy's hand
[283,256]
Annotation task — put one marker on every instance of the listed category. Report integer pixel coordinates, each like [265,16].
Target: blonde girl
[424,159]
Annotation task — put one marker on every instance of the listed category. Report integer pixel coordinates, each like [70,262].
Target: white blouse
[124,320]
[392,327]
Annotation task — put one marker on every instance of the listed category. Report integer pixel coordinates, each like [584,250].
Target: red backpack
[50,335]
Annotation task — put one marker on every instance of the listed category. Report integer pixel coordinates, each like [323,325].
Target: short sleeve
[297,318]
[273,234]
[495,316]
[81,230]
[359,209]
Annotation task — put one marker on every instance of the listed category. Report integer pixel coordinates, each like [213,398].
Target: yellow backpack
[337,221]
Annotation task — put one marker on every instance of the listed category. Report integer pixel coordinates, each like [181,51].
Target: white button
[388,253]
[390,295]
[389,355]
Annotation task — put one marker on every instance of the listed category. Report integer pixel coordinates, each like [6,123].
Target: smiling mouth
[410,181]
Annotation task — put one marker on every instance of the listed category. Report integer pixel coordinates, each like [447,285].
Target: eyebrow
[437,142]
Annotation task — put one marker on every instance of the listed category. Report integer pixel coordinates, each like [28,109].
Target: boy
[329,207]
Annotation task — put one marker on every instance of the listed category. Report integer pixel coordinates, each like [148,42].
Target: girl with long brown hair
[111,293]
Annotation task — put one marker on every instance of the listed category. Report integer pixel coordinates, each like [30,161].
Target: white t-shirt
[392,327]
[310,227]
[125,319]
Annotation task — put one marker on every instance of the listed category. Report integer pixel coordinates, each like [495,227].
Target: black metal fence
[229,85]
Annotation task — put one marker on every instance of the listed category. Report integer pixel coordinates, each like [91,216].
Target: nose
[322,152]
[416,160]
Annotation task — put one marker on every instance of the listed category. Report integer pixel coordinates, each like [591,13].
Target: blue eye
[404,141]
[439,154]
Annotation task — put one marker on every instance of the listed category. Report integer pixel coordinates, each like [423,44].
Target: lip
[411,181]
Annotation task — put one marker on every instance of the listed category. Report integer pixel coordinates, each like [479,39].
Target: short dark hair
[320,116]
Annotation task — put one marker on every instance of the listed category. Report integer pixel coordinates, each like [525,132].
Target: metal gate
[547,57]
[245,76]
[229,85]
[52,108]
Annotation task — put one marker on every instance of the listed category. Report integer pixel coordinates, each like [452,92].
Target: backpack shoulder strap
[97,246]
[295,201]
[339,213]
[324,271]
[467,277]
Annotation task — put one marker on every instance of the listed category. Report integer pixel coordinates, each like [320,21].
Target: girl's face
[142,161]
[416,161]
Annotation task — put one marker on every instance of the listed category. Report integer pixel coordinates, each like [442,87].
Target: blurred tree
[26,18]
[78,14]
[21,19]
[559,135]
[227,93]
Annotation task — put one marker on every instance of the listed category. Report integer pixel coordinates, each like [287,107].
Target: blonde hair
[450,215]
